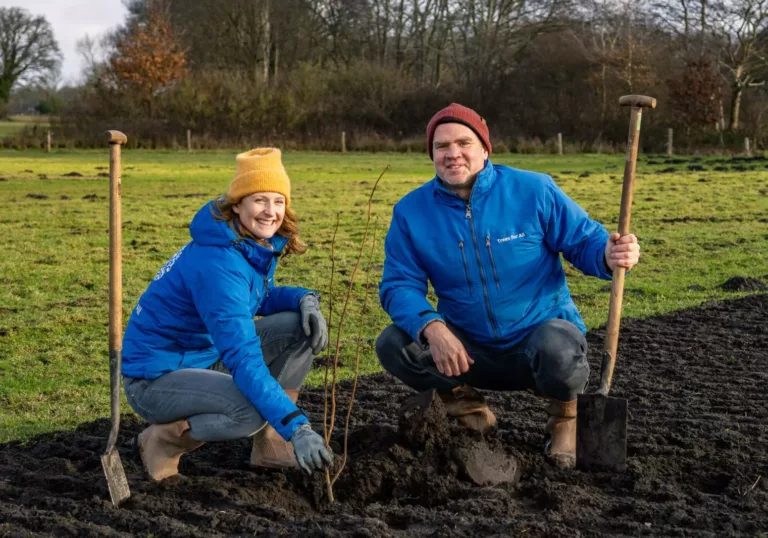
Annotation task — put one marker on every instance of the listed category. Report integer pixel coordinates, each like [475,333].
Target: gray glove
[310,450]
[313,323]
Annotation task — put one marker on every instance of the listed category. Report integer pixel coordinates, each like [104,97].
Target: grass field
[17,123]
[697,228]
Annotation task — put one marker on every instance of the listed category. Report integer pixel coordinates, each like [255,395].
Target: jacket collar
[260,257]
[483,183]
[207,229]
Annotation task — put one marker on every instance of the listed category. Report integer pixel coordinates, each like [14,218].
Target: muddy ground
[698,460]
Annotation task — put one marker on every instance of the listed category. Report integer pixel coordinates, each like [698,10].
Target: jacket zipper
[266,280]
[466,267]
[482,273]
[493,264]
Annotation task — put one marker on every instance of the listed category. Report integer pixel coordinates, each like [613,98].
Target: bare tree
[28,49]
[740,27]
[490,35]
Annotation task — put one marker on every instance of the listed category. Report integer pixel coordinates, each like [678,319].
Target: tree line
[299,72]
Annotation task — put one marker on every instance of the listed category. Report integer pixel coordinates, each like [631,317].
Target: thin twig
[346,303]
[357,355]
[329,485]
[745,493]
[326,433]
[326,430]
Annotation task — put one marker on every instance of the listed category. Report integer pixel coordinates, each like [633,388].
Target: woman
[196,365]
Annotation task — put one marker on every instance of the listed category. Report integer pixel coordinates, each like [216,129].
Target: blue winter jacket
[200,307]
[493,260]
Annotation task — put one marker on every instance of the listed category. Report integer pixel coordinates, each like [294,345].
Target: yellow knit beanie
[259,170]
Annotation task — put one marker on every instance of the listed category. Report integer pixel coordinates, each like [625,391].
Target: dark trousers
[209,399]
[551,361]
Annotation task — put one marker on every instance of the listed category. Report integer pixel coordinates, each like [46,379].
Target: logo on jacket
[511,237]
[169,264]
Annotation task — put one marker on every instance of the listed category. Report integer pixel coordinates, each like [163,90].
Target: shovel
[601,421]
[110,460]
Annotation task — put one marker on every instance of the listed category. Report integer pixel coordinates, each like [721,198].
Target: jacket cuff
[428,319]
[290,423]
[302,295]
[605,272]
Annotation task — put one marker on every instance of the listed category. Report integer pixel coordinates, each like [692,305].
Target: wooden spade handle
[115,242]
[617,283]
[116,139]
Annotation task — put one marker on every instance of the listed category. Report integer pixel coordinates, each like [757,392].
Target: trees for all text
[28,49]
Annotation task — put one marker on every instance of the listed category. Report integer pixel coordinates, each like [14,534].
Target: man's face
[261,213]
[458,154]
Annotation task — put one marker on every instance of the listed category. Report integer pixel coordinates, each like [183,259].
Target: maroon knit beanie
[456,113]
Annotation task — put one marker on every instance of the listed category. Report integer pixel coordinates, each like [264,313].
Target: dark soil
[698,464]
[743,283]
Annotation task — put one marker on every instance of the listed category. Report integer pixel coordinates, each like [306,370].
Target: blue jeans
[209,399]
[551,361]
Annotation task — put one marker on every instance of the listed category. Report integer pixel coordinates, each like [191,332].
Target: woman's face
[261,213]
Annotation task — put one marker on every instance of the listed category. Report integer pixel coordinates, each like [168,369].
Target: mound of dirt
[697,465]
[743,283]
[426,460]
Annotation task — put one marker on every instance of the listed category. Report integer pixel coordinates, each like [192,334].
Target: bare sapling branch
[346,303]
[357,354]
[326,430]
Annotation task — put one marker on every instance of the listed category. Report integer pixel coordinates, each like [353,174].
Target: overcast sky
[71,20]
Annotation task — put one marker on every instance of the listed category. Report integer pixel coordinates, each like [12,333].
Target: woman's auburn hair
[288,229]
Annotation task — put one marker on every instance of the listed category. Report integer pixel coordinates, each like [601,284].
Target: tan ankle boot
[272,451]
[469,407]
[162,445]
[561,427]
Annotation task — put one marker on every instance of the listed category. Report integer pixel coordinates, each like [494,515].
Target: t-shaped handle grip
[637,100]
[116,137]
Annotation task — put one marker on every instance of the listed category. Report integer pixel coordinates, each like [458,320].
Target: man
[488,239]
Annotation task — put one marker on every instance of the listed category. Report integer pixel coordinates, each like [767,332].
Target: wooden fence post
[669,141]
[48,145]
[559,143]
[747,149]
[343,141]
[189,140]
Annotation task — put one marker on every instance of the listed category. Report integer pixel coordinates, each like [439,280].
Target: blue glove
[313,323]
[310,450]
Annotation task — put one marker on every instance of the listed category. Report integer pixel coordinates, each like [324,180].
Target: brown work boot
[561,429]
[271,450]
[162,445]
[469,407]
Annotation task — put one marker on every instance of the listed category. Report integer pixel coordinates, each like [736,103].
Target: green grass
[17,123]
[697,229]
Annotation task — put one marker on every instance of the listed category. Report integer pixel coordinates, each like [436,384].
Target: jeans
[209,399]
[551,361]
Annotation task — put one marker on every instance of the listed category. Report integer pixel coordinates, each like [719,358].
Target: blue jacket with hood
[493,260]
[200,307]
